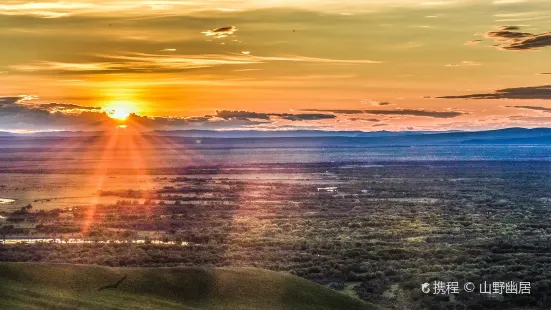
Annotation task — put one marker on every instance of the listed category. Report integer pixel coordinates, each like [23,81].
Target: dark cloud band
[406,112]
[509,38]
[534,92]
[529,107]
[20,113]
[267,116]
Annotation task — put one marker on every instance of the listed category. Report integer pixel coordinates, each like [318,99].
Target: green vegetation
[388,229]
[60,286]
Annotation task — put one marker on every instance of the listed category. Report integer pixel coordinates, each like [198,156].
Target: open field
[40,286]
[387,226]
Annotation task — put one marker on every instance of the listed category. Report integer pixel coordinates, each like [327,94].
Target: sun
[120,110]
[120,114]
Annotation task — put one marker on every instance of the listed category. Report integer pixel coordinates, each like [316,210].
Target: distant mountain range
[538,136]
[233,133]
[283,134]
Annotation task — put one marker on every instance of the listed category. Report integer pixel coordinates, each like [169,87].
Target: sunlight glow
[120,114]
[120,110]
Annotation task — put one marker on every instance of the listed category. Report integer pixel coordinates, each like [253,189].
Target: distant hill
[539,140]
[52,286]
[280,133]
[225,133]
[307,138]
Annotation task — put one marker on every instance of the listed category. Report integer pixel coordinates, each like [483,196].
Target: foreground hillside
[41,286]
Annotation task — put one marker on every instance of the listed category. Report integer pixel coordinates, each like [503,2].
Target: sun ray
[100,175]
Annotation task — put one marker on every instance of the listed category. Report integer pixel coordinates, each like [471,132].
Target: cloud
[60,9]
[136,62]
[473,42]
[60,116]
[267,116]
[509,28]
[412,112]
[465,63]
[242,114]
[206,122]
[5,101]
[21,99]
[543,119]
[18,113]
[141,8]
[509,38]
[306,117]
[155,63]
[506,35]
[66,67]
[374,120]
[294,58]
[336,111]
[67,108]
[44,9]
[221,32]
[508,1]
[376,103]
[407,112]
[530,43]
[528,107]
[534,92]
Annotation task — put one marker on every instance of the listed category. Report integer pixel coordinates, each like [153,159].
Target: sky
[275,65]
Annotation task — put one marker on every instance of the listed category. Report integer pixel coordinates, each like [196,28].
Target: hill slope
[39,286]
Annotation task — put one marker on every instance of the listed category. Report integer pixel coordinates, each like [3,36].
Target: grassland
[388,229]
[64,286]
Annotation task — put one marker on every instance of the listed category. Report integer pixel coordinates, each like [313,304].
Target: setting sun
[120,110]
[119,114]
